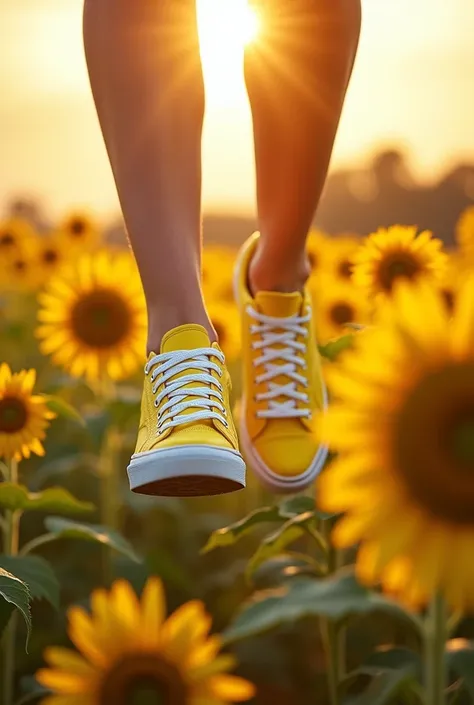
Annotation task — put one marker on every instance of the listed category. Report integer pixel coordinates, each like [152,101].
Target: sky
[412,86]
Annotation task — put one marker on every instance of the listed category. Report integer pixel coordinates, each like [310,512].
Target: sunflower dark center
[13,415]
[101,319]
[342,313]
[461,437]
[398,265]
[345,269]
[142,679]
[77,226]
[433,443]
[50,256]
[19,265]
[7,239]
[449,299]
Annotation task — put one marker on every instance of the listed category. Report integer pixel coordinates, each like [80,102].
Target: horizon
[410,90]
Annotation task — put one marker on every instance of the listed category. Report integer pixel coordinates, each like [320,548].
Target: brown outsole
[189,486]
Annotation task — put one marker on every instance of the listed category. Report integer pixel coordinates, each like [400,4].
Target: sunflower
[217,270]
[336,305]
[51,254]
[465,232]
[453,278]
[80,232]
[403,425]
[16,234]
[24,417]
[398,252]
[317,245]
[130,653]
[20,271]
[93,319]
[226,321]
[339,254]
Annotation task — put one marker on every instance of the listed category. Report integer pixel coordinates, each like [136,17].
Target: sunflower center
[449,299]
[19,265]
[433,443]
[345,269]
[77,226]
[342,313]
[462,437]
[143,679]
[7,240]
[398,265]
[101,318]
[13,415]
[50,256]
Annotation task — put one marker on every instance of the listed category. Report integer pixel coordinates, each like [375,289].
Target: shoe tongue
[278,304]
[281,305]
[187,337]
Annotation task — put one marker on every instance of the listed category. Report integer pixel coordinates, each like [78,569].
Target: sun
[225,28]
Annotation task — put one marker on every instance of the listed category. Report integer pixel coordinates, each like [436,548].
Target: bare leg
[146,77]
[297,74]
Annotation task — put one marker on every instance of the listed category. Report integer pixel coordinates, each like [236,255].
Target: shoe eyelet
[155,404]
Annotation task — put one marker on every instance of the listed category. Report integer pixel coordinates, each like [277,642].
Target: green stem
[11,545]
[436,631]
[110,494]
[333,634]
[36,543]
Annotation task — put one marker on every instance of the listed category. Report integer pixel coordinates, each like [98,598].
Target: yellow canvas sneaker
[283,389]
[187,443]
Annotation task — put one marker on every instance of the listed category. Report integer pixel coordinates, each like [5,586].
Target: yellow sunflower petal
[181,628]
[231,688]
[153,610]
[69,661]
[82,699]
[62,682]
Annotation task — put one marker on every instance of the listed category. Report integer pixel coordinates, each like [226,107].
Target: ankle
[162,319]
[270,271]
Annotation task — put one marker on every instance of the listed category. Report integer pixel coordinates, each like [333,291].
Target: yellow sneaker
[187,443]
[283,389]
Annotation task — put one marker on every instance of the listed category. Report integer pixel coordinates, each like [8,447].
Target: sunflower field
[357,592]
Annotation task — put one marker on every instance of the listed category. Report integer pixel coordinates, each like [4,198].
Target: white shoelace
[208,400]
[281,332]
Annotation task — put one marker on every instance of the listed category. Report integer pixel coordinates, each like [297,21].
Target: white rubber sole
[273,481]
[187,471]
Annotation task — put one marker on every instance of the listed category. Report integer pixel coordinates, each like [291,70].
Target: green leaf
[15,594]
[338,598]
[68,529]
[396,658]
[334,348]
[285,535]
[296,505]
[63,465]
[284,567]
[53,499]
[63,409]
[37,574]
[231,534]
[386,687]
[461,662]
